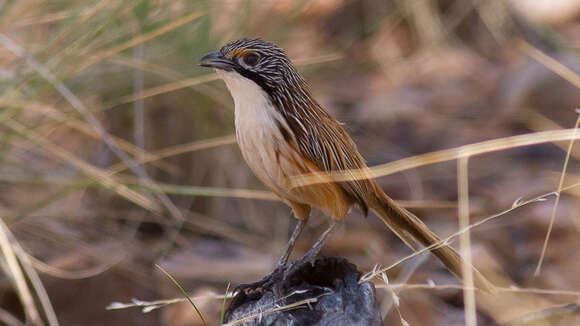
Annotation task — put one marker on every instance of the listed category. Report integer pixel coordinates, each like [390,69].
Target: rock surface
[326,293]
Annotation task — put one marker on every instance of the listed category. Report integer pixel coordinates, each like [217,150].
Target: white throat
[257,129]
[259,135]
[252,105]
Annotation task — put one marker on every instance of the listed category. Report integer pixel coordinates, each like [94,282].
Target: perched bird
[283,132]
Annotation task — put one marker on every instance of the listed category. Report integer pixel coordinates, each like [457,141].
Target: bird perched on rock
[283,132]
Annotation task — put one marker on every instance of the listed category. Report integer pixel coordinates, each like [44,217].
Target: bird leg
[272,276]
[310,256]
[291,243]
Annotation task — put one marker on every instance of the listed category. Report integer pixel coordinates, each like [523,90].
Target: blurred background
[117,152]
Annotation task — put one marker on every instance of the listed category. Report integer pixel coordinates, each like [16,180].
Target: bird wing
[326,144]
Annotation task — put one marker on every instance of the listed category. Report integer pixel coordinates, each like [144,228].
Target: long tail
[412,230]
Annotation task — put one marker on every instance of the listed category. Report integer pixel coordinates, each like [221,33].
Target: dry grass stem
[258,315]
[139,39]
[170,87]
[18,267]
[555,207]
[148,306]
[76,103]
[465,241]
[517,204]
[459,287]
[539,122]
[86,129]
[164,89]
[86,168]
[177,150]
[17,275]
[438,156]
[184,293]
[551,64]
[147,66]
[8,319]
[73,275]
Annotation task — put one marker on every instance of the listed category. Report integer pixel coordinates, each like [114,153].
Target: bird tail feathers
[414,232]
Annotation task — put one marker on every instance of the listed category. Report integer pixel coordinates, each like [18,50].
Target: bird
[283,133]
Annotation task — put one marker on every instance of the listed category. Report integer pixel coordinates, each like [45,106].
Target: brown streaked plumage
[283,132]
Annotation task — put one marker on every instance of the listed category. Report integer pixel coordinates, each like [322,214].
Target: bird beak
[216,60]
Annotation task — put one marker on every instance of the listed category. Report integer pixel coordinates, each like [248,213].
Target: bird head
[262,62]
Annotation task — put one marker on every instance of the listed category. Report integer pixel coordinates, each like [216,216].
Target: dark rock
[337,298]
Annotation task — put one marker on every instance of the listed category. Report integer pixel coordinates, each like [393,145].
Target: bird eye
[251,59]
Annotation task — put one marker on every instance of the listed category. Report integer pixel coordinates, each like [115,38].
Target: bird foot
[279,273]
[291,268]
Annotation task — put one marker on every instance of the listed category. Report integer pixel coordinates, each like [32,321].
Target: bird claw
[248,288]
[280,273]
